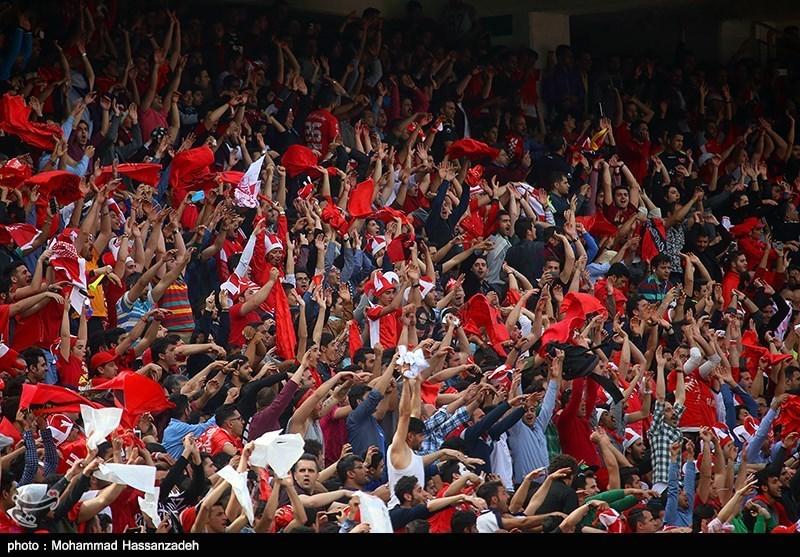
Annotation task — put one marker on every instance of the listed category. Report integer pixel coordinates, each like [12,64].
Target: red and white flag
[247,189]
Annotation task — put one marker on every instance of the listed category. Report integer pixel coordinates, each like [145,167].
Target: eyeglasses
[304,279]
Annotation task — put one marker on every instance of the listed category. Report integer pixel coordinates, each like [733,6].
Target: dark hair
[405,485]
[522,226]
[12,267]
[159,347]
[704,511]
[264,397]
[487,490]
[415,425]
[313,447]
[553,178]
[224,413]
[563,461]
[659,259]
[181,403]
[31,356]
[418,526]
[461,521]
[636,517]
[306,456]
[327,97]
[448,469]
[618,270]
[360,355]
[355,393]
[345,464]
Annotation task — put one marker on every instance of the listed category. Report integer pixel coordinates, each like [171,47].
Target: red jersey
[320,129]
[239,322]
[72,373]
[384,329]
[5,311]
[635,156]
[701,407]
[440,522]
[214,438]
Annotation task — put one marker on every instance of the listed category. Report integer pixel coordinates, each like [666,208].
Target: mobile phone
[53,205]
[332,517]
[198,196]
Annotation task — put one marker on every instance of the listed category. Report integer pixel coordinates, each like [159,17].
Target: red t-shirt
[701,407]
[440,522]
[384,329]
[8,526]
[214,438]
[71,373]
[239,322]
[5,310]
[617,216]
[635,156]
[320,129]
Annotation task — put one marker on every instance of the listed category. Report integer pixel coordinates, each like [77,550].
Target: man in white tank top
[403,459]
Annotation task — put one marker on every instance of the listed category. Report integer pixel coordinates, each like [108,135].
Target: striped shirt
[128,314]
[176,300]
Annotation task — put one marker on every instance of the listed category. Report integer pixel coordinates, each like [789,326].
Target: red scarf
[777,507]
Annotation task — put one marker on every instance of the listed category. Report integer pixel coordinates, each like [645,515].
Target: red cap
[785,529]
[102,358]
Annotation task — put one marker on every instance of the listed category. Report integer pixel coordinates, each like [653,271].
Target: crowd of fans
[267,273]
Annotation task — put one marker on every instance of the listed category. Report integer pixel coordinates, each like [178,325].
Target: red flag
[579,304]
[478,313]
[563,331]
[354,338]
[654,239]
[789,418]
[63,185]
[14,173]
[359,204]
[136,394]
[188,169]
[299,159]
[7,428]
[597,225]
[23,234]
[399,248]
[145,173]
[285,338]
[753,351]
[9,361]
[334,216]
[51,399]
[15,119]
[388,214]
[472,150]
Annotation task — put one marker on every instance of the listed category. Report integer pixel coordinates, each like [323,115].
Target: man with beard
[664,428]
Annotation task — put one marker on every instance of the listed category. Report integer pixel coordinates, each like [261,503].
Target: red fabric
[472,150]
[334,216]
[285,338]
[597,225]
[10,364]
[145,173]
[15,119]
[187,171]
[789,418]
[14,173]
[359,204]
[480,222]
[574,431]
[601,293]
[299,159]
[7,428]
[477,312]
[22,234]
[388,214]
[50,399]
[136,394]
[354,338]
[398,249]
[701,407]
[63,185]
[562,331]
[649,246]
[579,305]
[753,351]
